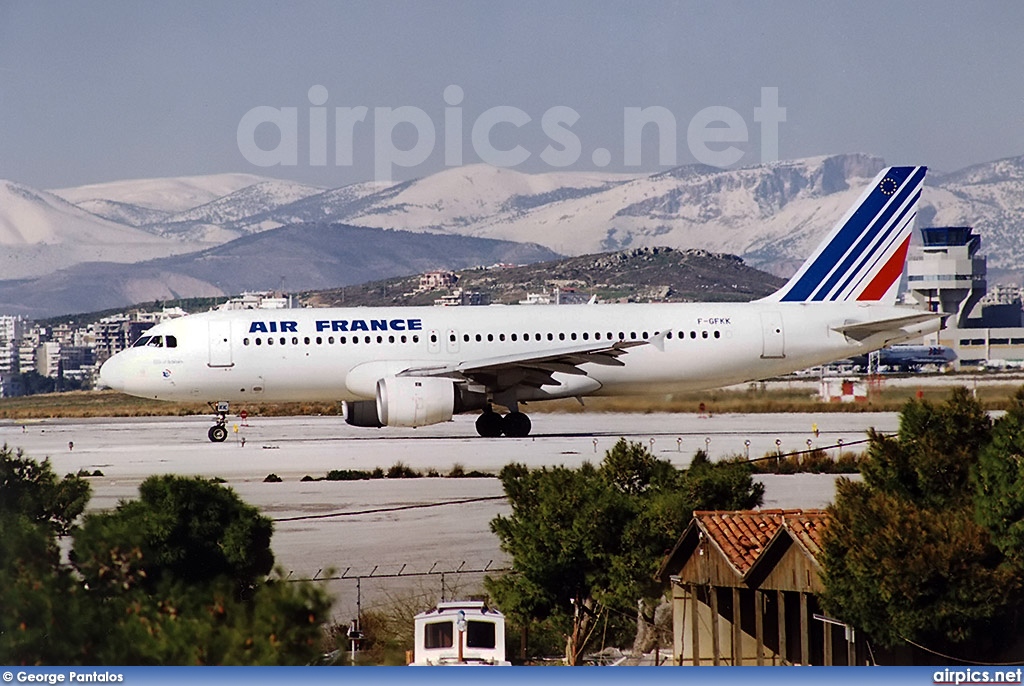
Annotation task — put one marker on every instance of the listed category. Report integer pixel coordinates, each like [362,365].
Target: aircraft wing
[498,373]
[861,330]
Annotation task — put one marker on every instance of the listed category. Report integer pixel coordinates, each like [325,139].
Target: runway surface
[361,528]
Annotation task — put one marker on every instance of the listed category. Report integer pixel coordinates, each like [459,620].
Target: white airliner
[414,366]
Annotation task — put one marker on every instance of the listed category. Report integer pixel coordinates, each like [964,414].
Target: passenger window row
[329,340]
[573,336]
[479,338]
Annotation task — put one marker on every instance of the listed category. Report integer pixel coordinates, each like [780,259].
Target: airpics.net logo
[407,136]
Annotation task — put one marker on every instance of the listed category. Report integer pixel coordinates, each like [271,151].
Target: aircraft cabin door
[220,344]
[453,341]
[773,341]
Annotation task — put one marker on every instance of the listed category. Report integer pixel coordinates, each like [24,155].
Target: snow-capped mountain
[772,214]
[460,199]
[989,197]
[328,206]
[41,233]
[221,220]
[123,212]
[764,212]
[245,202]
[172,194]
[302,256]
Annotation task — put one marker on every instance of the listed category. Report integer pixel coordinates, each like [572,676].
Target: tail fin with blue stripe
[864,255]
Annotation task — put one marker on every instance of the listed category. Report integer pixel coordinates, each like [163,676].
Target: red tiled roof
[741,535]
[807,527]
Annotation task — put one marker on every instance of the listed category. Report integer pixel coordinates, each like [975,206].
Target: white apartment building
[11,331]
[48,358]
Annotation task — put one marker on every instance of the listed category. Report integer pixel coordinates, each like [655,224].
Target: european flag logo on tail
[864,255]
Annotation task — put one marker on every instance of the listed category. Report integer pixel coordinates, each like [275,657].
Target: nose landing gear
[218,433]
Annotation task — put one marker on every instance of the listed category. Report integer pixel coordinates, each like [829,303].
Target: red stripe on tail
[888,274]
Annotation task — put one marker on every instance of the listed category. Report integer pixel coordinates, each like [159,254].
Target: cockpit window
[156,342]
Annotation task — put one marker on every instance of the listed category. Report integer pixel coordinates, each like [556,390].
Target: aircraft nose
[113,373]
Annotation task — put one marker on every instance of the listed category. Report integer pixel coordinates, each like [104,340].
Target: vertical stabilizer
[865,253]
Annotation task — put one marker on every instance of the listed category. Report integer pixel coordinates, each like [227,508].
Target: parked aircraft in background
[414,366]
[909,358]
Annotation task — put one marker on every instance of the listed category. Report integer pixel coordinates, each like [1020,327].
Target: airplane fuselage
[340,354]
[409,367]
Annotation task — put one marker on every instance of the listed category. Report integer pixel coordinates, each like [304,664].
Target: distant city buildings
[556,296]
[257,300]
[461,297]
[64,351]
[437,280]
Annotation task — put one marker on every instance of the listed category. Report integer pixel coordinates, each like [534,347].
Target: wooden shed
[738,576]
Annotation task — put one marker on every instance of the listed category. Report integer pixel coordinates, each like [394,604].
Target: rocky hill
[657,274]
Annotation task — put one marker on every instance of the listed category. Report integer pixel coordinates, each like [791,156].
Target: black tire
[218,433]
[516,425]
[489,425]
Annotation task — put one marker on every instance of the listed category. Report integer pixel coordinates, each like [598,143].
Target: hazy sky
[97,91]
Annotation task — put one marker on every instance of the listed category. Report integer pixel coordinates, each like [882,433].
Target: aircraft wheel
[218,433]
[489,425]
[516,425]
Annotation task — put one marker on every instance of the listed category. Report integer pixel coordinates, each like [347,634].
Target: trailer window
[438,635]
[480,634]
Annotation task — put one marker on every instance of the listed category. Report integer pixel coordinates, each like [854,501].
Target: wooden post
[759,625]
[695,624]
[782,627]
[678,621]
[716,648]
[805,632]
[737,635]
[827,649]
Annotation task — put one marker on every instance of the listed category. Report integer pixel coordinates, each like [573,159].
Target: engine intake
[361,413]
[415,401]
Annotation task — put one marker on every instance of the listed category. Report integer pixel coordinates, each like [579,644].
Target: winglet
[863,256]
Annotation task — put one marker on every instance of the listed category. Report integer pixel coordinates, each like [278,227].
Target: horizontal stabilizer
[859,331]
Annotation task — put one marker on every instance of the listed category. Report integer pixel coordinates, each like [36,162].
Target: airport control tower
[947,274]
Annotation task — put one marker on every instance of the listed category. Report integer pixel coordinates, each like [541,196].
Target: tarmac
[396,541]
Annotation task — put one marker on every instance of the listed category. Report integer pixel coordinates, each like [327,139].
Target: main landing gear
[490,424]
[218,433]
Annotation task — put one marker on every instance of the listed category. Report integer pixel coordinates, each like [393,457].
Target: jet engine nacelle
[361,413]
[415,401]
